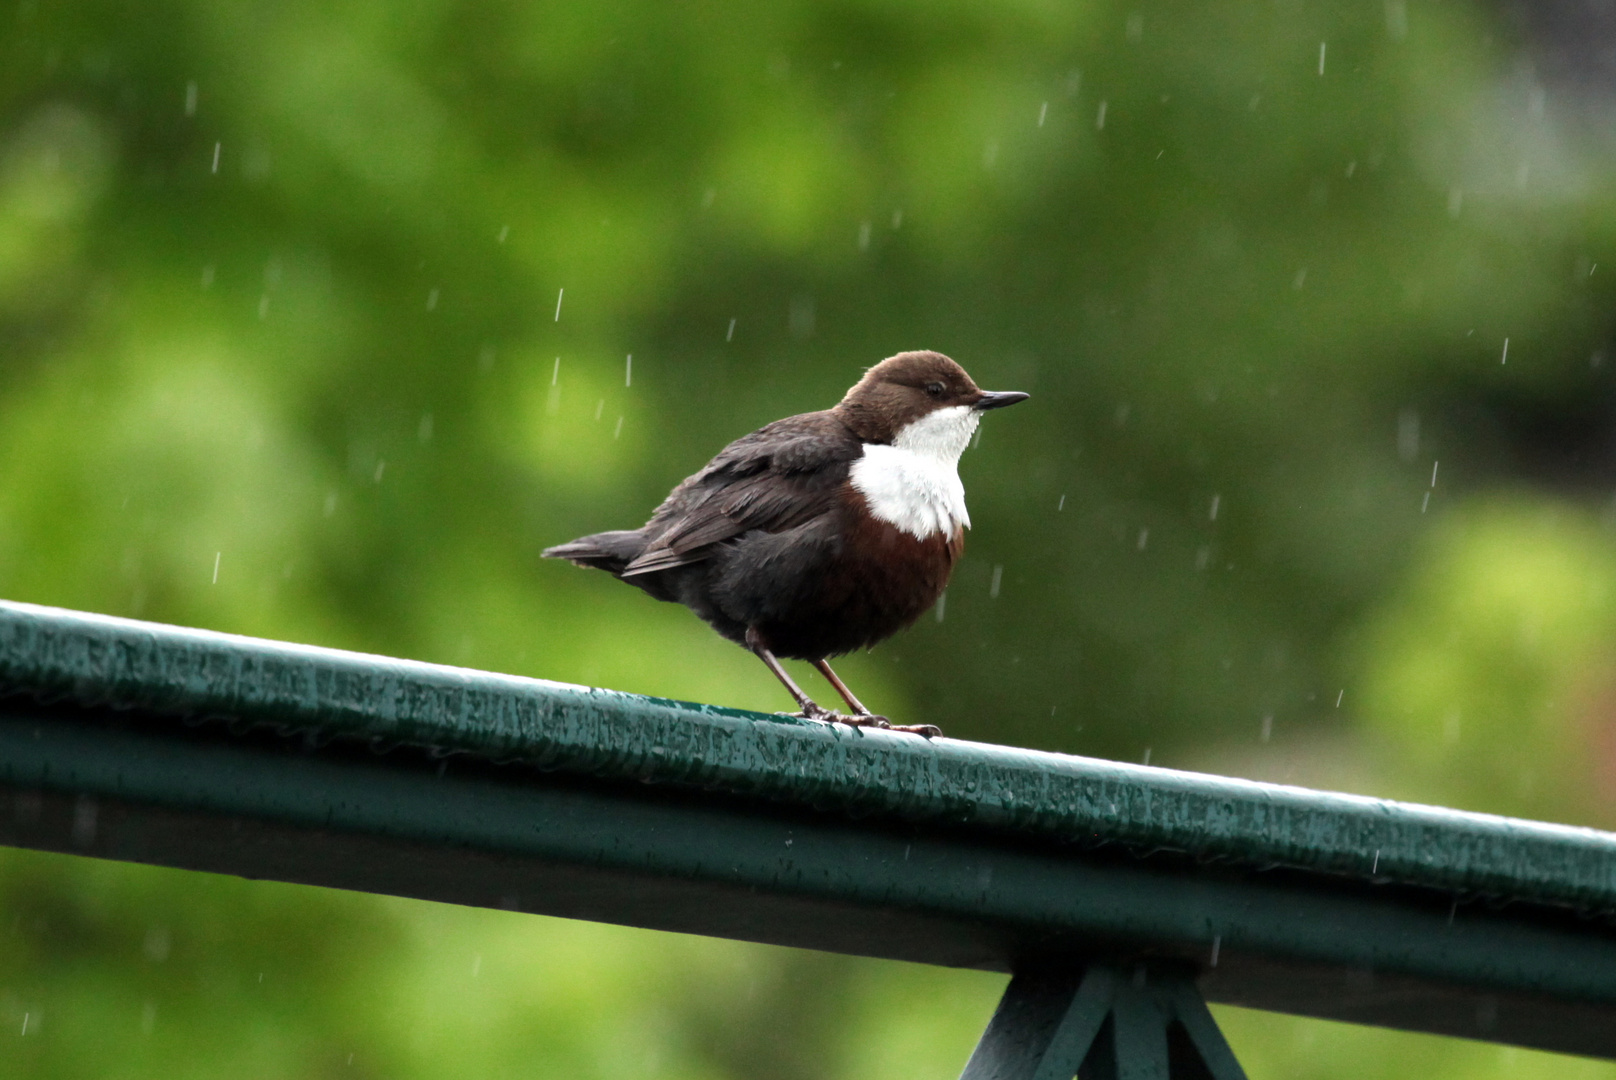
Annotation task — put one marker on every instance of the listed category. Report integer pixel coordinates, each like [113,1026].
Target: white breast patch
[914,484]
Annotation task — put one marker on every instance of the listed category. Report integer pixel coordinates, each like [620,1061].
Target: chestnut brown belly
[881,580]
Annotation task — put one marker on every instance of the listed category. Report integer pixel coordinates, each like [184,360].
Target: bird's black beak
[998,399]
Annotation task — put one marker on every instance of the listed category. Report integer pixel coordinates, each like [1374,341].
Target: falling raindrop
[800,317]
[993,587]
[628,373]
[190,99]
[85,812]
[1408,434]
[729,335]
[1396,19]
[559,294]
[1043,111]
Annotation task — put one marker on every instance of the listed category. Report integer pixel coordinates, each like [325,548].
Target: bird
[822,533]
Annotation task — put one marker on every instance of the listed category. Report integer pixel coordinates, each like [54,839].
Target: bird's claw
[819,712]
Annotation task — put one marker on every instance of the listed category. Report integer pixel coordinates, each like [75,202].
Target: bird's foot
[870,720]
[861,720]
[815,711]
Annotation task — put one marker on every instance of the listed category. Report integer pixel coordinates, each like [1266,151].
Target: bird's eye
[935,389]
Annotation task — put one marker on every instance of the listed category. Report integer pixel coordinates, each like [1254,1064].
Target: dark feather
[774,479]
[609,551]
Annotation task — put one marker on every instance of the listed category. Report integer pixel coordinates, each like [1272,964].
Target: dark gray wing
[774,479]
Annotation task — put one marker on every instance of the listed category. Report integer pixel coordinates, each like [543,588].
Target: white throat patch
[914,484]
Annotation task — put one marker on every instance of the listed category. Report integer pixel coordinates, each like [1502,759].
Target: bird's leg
[861,714]
[811,710]
[841,688]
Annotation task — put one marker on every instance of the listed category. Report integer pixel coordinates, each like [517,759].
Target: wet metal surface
[90,660]
[206,751]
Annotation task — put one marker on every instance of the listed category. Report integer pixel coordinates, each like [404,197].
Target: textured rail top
[52,655]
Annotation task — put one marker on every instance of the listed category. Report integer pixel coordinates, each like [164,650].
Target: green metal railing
[1119,895]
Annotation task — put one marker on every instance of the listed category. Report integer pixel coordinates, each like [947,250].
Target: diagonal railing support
[1103,1022]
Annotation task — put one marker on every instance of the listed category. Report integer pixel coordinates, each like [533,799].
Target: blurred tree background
[316,324]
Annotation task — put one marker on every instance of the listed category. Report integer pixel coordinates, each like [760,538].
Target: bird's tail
[608,551]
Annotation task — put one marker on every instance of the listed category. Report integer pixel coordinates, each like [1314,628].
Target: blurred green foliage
[315,323]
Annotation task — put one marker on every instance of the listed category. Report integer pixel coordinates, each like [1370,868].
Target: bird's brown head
[904,388]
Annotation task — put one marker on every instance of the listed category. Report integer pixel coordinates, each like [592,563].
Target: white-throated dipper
[821,533]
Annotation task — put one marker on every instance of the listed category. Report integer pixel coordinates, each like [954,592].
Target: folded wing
[774,479]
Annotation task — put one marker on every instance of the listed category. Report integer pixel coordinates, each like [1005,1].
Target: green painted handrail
[94,660]
[209,751]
